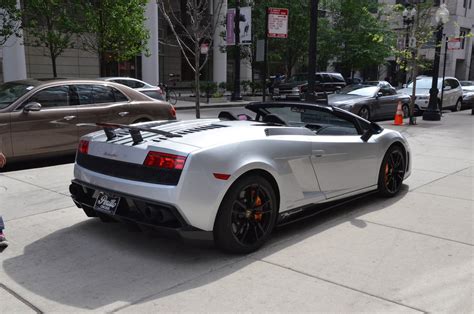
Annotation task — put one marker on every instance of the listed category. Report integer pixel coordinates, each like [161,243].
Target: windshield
[298,78]
[467,83]
[424,83]
[10,92]
[360,90]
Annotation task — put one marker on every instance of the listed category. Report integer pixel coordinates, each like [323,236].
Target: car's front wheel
[364,113]
[247,215]
[392,172]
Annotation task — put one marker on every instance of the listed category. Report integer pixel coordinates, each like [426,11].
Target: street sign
[204,48]
[245,23]
[454,43]
[277,23]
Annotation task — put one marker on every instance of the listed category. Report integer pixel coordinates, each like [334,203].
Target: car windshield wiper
[109,129]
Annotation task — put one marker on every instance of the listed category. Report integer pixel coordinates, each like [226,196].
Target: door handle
[318,153]
[123,113]
[68,118]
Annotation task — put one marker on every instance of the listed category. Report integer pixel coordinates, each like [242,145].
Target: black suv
[296,86]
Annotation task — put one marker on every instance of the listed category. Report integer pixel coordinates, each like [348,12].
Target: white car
[234,179]
[151,91]
[452,94]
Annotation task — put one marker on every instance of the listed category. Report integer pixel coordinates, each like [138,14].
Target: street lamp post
[236,94]
[408,20]
[313,33]
[432,113]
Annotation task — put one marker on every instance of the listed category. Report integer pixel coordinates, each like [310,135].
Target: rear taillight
[164,161]
[172,112]
[83,147]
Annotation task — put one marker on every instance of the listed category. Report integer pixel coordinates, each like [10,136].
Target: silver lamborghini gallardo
[233,179]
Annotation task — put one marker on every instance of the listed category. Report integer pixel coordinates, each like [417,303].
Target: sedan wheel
[364,113]
[406,111]
[392,172]
[246,216]
[458,105]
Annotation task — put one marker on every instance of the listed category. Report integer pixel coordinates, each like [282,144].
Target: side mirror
[447,87]
[379,94]
[374,128]
[404,85]
[32,106]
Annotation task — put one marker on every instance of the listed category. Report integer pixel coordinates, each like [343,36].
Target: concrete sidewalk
[412,253]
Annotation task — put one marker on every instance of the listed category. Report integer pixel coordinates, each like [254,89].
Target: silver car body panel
[307,169]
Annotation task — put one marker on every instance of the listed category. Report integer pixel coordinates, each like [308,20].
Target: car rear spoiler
[135,131]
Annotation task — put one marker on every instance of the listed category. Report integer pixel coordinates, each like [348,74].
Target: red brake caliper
[258,202]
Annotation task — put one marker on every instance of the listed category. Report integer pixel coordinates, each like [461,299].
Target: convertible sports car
[233,179]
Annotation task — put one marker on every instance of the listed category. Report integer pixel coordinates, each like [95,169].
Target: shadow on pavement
[38,163]
[92,265]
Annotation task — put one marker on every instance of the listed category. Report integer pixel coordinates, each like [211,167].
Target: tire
[458,106]
[392,172]
[243,228]
[406,111]
[172,97]
[364,113]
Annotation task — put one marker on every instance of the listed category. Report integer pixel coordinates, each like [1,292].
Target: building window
[463,33]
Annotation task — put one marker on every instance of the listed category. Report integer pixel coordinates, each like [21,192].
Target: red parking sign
[277,23]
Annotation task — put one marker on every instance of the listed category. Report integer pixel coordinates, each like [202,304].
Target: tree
[51,25]
[364,37]
[114,29]
[193,27]
[10,20]
[409,58]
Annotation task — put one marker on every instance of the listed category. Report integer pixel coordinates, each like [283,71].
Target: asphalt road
[411,253]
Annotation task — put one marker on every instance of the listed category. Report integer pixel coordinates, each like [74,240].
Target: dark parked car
[38,118]
[371,102]
[297,85]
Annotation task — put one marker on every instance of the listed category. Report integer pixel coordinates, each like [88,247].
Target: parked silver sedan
[370,102]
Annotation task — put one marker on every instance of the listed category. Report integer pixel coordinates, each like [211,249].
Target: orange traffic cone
[399,115]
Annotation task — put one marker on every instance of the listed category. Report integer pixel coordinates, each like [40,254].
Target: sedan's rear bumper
[137,212]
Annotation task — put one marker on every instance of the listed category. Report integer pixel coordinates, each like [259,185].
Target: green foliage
[51,24]
[10,20]
[115,28]
[222,85]
[363,36]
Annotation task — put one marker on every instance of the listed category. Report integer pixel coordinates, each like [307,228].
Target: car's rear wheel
[458,106]
[406,111]
[247,215]
[364,113]
[392,171]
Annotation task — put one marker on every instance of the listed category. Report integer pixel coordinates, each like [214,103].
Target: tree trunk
[197,55]
[53,62]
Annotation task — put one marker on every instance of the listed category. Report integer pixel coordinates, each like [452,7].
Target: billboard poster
[245,22]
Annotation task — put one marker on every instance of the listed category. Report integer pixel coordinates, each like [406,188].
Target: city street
[411,253]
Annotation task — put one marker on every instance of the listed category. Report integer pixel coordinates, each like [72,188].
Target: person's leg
[3,240]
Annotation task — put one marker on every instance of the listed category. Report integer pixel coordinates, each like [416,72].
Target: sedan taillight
[172,112]
[83,147]
[164,161]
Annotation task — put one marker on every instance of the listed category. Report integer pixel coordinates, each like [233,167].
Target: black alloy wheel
[246,216]
[364,113]
[392,172]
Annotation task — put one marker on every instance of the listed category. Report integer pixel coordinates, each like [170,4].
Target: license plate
[283,96]
[107,203]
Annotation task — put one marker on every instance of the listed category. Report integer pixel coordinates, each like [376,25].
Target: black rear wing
[135,131]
